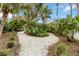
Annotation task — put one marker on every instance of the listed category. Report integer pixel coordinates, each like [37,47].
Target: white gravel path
[35,46]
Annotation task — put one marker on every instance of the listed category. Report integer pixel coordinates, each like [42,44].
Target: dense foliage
[14,25]
[35,29]
[10,44]
[62,50]
[5,52]
[65,26]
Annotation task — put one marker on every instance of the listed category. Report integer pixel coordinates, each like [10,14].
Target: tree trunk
[1,29]
[71,9]
[78,8]
[5,11]
[57,10]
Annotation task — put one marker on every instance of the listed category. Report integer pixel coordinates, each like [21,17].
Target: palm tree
[45,13]
[70,9]
[33,11]
[78,8]
[28,9]
[5,11]
[14,9]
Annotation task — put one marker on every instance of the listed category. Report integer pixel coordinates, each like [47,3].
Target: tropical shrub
[14,25]
[0,21]
[77,18]
[35,29]
[50,27]
[12,38]
[62,49]
[56,26]
[10,44]
[5,52]
[65,26]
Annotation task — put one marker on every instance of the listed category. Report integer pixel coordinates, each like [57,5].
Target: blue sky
[64,10]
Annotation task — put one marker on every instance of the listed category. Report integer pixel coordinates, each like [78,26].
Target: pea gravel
[35,46]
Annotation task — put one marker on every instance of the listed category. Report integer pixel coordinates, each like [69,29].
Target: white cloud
[9,15]
[67,8]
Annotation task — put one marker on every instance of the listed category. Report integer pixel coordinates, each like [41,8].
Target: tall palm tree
[70,9]
[14,9]
[33,11]
[78,8]
[28,8]
[45,13]
[5,11]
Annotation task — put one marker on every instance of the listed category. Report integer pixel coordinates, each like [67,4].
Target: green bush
[12,38]
[77,18]
[53,27]
[14,25]
[0,21]
[65,26]
[62,49]
[36,29]
[10,44]
[5,52]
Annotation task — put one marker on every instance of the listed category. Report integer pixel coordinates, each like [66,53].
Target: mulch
[73,46]
[5,38]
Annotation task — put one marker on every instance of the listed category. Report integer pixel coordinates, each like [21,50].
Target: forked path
[35,46]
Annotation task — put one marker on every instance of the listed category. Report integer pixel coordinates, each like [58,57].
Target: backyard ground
[26,45]
[73,47]
[8,37]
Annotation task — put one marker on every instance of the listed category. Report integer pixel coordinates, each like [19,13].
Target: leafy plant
[5,52]
[10,44]
[14,25]
[36,29]
[12,38]
[62,49]
[65,26]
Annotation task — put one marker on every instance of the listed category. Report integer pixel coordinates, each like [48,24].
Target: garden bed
[73,47]
[9,37]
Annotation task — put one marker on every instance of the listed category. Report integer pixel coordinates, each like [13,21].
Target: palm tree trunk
[71,9]
[1,28]
[57,10]
[5,11]
[78,8]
